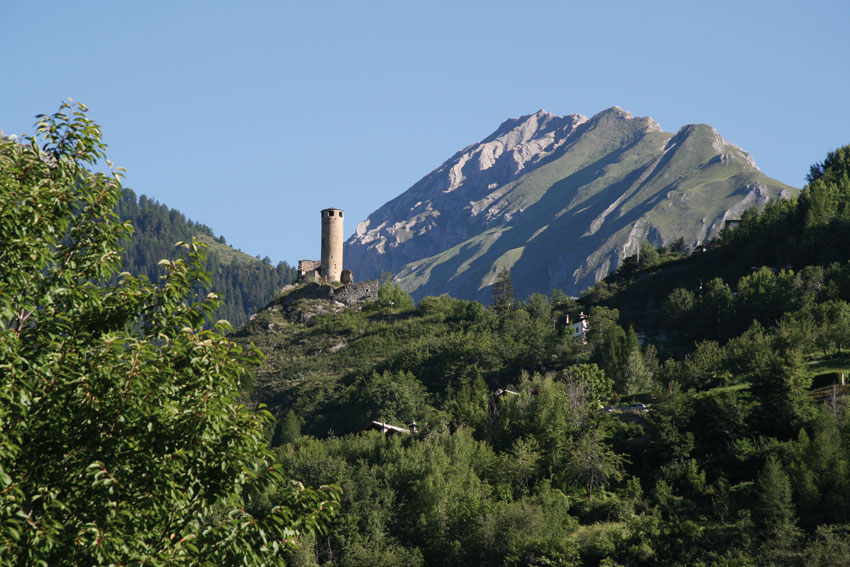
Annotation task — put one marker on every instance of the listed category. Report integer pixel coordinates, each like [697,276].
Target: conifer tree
[776,516]
[503,292]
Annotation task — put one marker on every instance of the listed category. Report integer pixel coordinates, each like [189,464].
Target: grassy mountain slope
[227,255]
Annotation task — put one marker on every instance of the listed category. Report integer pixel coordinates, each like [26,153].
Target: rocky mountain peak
[711,143]
[610,116]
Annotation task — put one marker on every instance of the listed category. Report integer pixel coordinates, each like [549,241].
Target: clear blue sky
[252,116]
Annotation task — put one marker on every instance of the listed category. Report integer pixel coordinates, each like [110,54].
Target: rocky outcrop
[561,200]
[303,301]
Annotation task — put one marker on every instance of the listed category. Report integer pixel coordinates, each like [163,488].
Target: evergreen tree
[593,464]
[781,388]
[776,517]
[503,292]
[288,430]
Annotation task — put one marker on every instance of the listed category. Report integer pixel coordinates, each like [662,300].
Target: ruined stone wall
[355,293]
[350,294]
[305,266]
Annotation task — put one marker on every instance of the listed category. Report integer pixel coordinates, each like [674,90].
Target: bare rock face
[560,200]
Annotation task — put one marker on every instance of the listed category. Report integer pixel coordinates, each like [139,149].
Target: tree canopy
[122,437]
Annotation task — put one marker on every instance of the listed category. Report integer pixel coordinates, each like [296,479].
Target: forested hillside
[245,282]
[701,420]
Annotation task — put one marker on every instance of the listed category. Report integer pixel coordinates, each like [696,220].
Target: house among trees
[580,327]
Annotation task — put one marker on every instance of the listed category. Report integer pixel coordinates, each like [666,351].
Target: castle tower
[332,245]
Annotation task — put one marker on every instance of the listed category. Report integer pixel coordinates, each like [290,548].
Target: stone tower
[332,245]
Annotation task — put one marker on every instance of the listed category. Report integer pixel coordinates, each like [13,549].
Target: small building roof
[386,428]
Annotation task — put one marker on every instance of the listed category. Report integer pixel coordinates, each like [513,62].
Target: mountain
[560,201]
[246,283]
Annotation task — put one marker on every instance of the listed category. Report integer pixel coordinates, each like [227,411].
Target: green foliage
[781,388]
[392,296]
[676,309]
[705,367]
[470,406]
[833,169]
[123,439]
[818,468]
[830,548]
[288,429]
[679,247]
[396,398]
[669,422]
[833,321]
[776,516]
[588,389]
[609,343]
[592,464]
